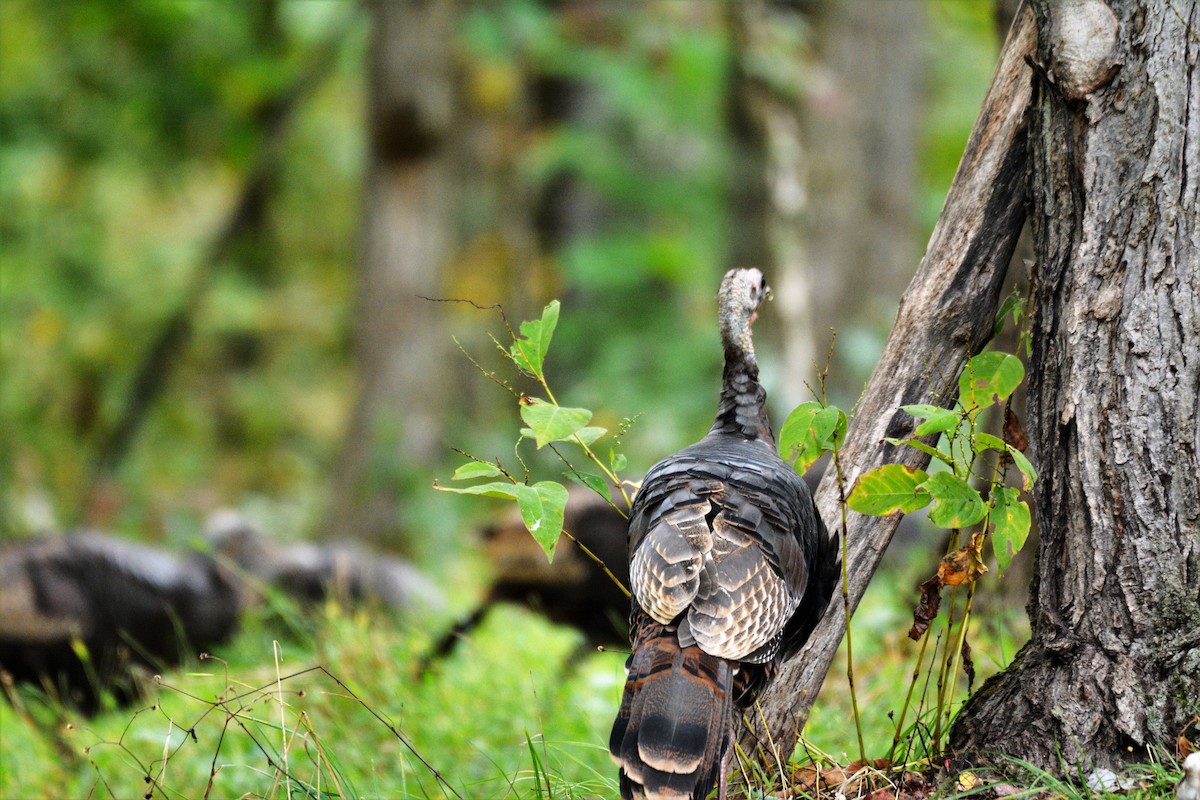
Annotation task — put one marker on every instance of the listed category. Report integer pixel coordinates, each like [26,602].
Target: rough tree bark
[1113,666]
[406,235]
[945,316]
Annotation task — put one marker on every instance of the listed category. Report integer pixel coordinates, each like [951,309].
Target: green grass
[885,658]
[346,718]
[509,714]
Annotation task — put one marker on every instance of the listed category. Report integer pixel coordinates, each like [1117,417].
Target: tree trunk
[395,426]
[770,190]
[1113,666]
[826,110]
[862,120]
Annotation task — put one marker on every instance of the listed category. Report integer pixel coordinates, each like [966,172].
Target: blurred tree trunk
[770,193]
[828,99]
[395,424]
[242,242]
[862,118]
[1113,666]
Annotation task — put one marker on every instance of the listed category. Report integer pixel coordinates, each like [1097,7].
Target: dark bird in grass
[731,568]
[573,590]
[312,573]
[78,612]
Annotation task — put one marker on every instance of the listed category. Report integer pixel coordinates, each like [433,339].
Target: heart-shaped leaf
[551,423]
[543,506]
[956,504]
[937,419]
[987,377]
[1011,520]
[476,469]
[809,431]
[529,351]
[888,489]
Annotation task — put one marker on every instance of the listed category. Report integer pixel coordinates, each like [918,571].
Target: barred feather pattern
[731,568]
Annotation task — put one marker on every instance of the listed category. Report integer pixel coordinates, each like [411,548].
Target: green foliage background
[126,131]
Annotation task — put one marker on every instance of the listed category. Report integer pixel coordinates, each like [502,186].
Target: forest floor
[330,705]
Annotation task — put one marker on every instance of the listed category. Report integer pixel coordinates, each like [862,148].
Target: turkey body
[125,602]
[731,568]
[312,573]
[573,590]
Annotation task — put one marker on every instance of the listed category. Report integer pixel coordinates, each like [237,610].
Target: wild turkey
[127,603]
[572,590]
[310,572]
[731,568]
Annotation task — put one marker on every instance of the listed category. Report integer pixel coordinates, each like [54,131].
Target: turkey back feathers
[731,568]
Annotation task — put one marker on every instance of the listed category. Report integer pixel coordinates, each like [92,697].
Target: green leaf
[809,431]
[937,419]
[529,351]
[988,376]
[551,423]
[590,434]
[476,469]
[796,443]
[921,410]
[986,441]
[591,480]
[495,489]
[1014,304]
[829,426]
[1024,466]
[955,503]
[1011,521]
[888,489]
[542,508]
[617,461]
[918,445]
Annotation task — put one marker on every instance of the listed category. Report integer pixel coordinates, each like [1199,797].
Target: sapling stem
[912,685]
[837,465]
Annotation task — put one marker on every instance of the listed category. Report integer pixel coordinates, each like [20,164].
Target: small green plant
[970,490]
[967,492]
[811,430]
[549,424]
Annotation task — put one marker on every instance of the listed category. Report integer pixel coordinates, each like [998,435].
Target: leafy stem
[543,504]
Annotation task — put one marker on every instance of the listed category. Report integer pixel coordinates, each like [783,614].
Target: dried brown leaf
[964,565]
[1188,740]
[1014,431]
[968,664]
[805,778]
[927,608]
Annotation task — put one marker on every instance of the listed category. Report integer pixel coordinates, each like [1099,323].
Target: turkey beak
[762,298]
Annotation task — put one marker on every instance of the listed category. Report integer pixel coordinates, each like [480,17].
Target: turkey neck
[742,411]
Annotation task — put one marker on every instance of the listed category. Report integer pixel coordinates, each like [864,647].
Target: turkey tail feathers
[675,723]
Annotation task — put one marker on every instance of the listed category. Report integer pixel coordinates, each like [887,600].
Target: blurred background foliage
[182,193]
[185,303]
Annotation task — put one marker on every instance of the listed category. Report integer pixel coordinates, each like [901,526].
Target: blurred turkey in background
[81,614]
[86,613]
[311,573]
[572,590]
